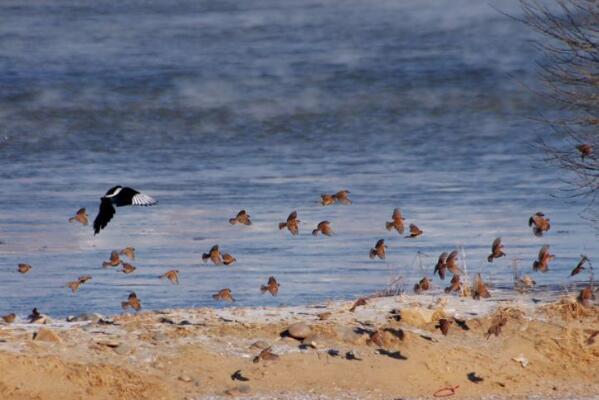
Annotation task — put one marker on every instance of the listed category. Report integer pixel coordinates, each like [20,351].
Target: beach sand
[543,350]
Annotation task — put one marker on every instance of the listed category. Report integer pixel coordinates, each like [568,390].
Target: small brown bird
[527,282]
[224,294]
[115,260]
[423,285]
[327,199]
[24,268]
[228,259]
[35,317]
[242,218]
[266,355]
[414,231]
[585,296]
[496,327]
[342,197]
[129,252]
[585,150]
[132,301]
[455,285]
[378,250]
[323,227]
[480,289]
[580,266]
[496,250]
[443,325]
[539,223]
[292,223]
[441,266]
[213,255]
[74,285]
[452,263]
[80,216]
[396,222]
[9,318]
[128,268]
[360,302]
[272,286]
[172,275]
[542,264]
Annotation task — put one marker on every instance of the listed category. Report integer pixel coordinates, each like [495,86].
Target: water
[215,106]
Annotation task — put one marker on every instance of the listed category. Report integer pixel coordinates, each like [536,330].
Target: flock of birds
[119,196]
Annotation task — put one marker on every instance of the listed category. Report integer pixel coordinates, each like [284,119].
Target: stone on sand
[299,330]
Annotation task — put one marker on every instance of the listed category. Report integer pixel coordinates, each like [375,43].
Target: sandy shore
[544,350]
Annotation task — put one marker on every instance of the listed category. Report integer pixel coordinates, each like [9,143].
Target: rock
[416,316]
[46,335]
[348,335]
[93,317]
[299,331]
[325,315]
[259,345]
[185,378]
[122,349]
[522,360]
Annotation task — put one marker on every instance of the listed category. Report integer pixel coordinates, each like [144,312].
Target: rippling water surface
[215,106]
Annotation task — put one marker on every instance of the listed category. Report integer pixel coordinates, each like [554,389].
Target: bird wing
[292,216]
[323,224]
[452,256]
[105,214]
[379,244]
[496,244]
[241,213]
[397,217]
[543,252]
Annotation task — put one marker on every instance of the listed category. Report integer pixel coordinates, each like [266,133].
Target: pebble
[299,331]
[122,349]
[185,378]
[259,345]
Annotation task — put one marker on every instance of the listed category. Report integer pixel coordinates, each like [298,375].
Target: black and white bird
[118,196]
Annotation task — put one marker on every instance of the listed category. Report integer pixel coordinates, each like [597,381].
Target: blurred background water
[214,106]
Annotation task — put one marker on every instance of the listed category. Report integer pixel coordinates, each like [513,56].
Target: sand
[543,351]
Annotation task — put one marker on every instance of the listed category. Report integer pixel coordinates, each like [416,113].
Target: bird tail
[125,305]
[263,289]
[537,232]
[372,253]
[536,265]
[232,221]
[490,258]
[71,219]
[205,257]
[315,232]
[282,225]
[389,225]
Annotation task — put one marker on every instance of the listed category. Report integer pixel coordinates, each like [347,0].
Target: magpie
[118,196]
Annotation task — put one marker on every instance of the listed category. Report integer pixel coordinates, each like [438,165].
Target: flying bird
[81,217]
[292,223]
[423,285]
[35,317]
[24,268]
[327,199]
[443,325]
[323,227]
[378,250]
[452,263]
[542,263]
[414,231]
[213,255]
[128,268]
[132,301]
[129,252]
[228,259]
[172,275]
[455,285]
[118,196]
[272,286]
[441,266]
[480,289]
[242,218]
[342,197]
[360,302]
[496,250]
[539,223]
[224,295]
[396,222]
[585,150]
[74,285]
[115,260]
[580,266]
